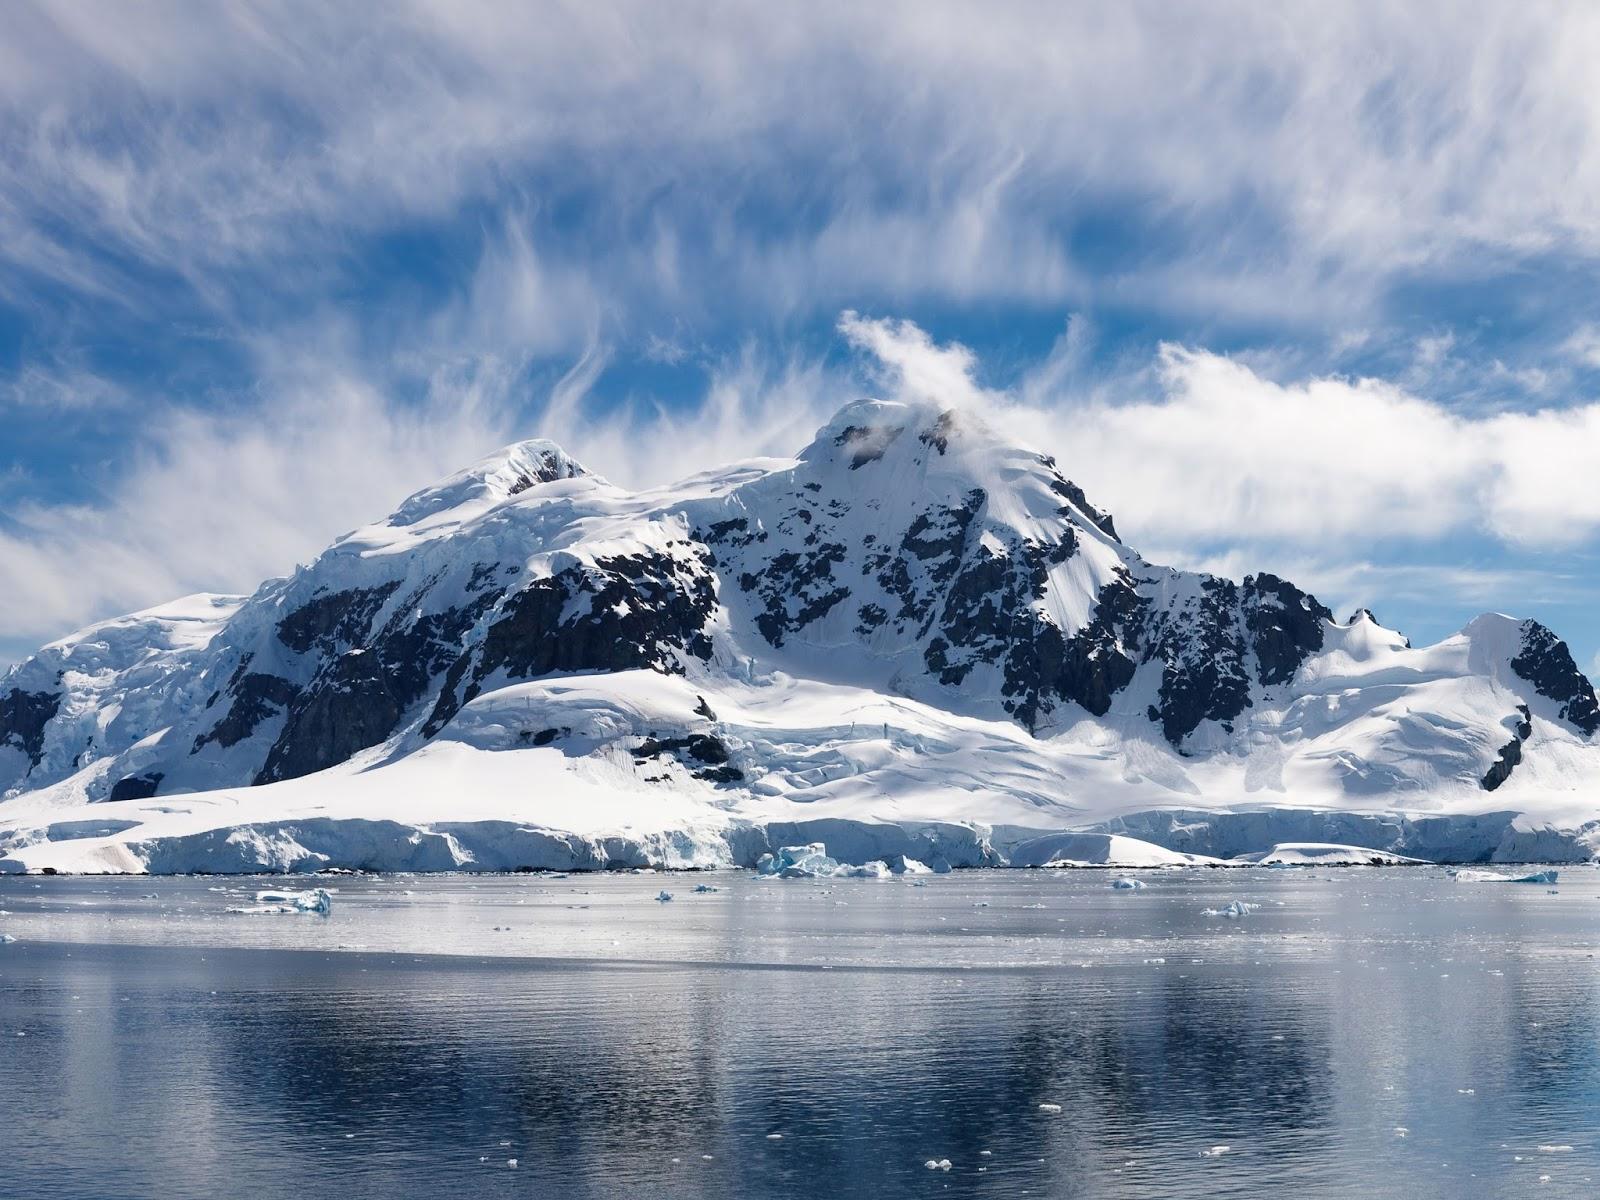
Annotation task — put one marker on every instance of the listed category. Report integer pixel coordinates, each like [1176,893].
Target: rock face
[1545,662]
[908,551]
[1511,752]
[23,717]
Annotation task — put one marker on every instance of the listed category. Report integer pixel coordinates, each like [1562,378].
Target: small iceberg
[871,870]
[1326,854]
[810,861]
[1128,885]
[664,896]
[937,1164]
[316,900]
[702,888]
[1464,875]
[899,864]
[1233,910]
[6,938]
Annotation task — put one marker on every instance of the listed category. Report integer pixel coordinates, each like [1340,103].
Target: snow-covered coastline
[914,639]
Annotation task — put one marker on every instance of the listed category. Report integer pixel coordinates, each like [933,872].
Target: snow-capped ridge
[495,478]
[917,637]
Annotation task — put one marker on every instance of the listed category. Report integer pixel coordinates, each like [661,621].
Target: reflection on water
[1382,1033]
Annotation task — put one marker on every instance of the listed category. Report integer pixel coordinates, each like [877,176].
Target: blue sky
[1302,291]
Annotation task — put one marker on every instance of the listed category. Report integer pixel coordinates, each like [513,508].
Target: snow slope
[914,638]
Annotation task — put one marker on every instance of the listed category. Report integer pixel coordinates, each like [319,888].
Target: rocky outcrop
[1545,662]
[23,717]
[1511,753]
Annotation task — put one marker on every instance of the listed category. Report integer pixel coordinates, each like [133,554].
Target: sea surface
[1364,1032]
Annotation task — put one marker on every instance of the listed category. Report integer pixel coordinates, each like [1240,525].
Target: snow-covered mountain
[914,637]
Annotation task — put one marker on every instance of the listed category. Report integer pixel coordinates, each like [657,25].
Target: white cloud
[221,502]
[910,361]
[910,147]
[1220,454]
[216,501]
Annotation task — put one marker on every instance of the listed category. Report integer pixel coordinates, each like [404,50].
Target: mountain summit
[916,629]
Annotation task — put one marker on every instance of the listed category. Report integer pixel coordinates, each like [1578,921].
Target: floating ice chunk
[1214,1151]
[1555,1149]
[1232,910]
[1049,1108]
[1466,875]
[1326,854]
[512,1163]
[6,938]
[899,864]
[316,900]
[937,1164]
[703,888]
[810,861]
[871,870]
[664,896]
[1128,885]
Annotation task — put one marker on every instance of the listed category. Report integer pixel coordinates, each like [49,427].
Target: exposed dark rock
[1285,626]
[333,621]
[1511,753]
[23,717]
[703,747]
[348,708]
[624,613]
[256,697]
[795,589]
[938,434]
[1068,490]
[1202,648]
[548,467]
[866,443]
[136,787]
[1545,662]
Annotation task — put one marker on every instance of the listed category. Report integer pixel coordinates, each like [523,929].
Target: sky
[1299,288]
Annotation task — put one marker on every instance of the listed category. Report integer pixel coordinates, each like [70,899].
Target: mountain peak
[494,479]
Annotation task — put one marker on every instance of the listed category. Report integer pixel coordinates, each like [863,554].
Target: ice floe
[1232,910]
[1326,854]
[315,900]
[1466,875]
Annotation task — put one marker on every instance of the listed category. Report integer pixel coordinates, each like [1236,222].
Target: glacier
[916,641]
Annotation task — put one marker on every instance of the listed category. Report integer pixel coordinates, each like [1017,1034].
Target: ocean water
[1363,1033]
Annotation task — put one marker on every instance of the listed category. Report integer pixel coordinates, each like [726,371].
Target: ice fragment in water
[1128,885]
[1049,1108]
[664,896]
[798,862]
[317,900]
[1232,910]
[871,870]
[1464,875]
[704,887]
[1214,1151]
[937,1164]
